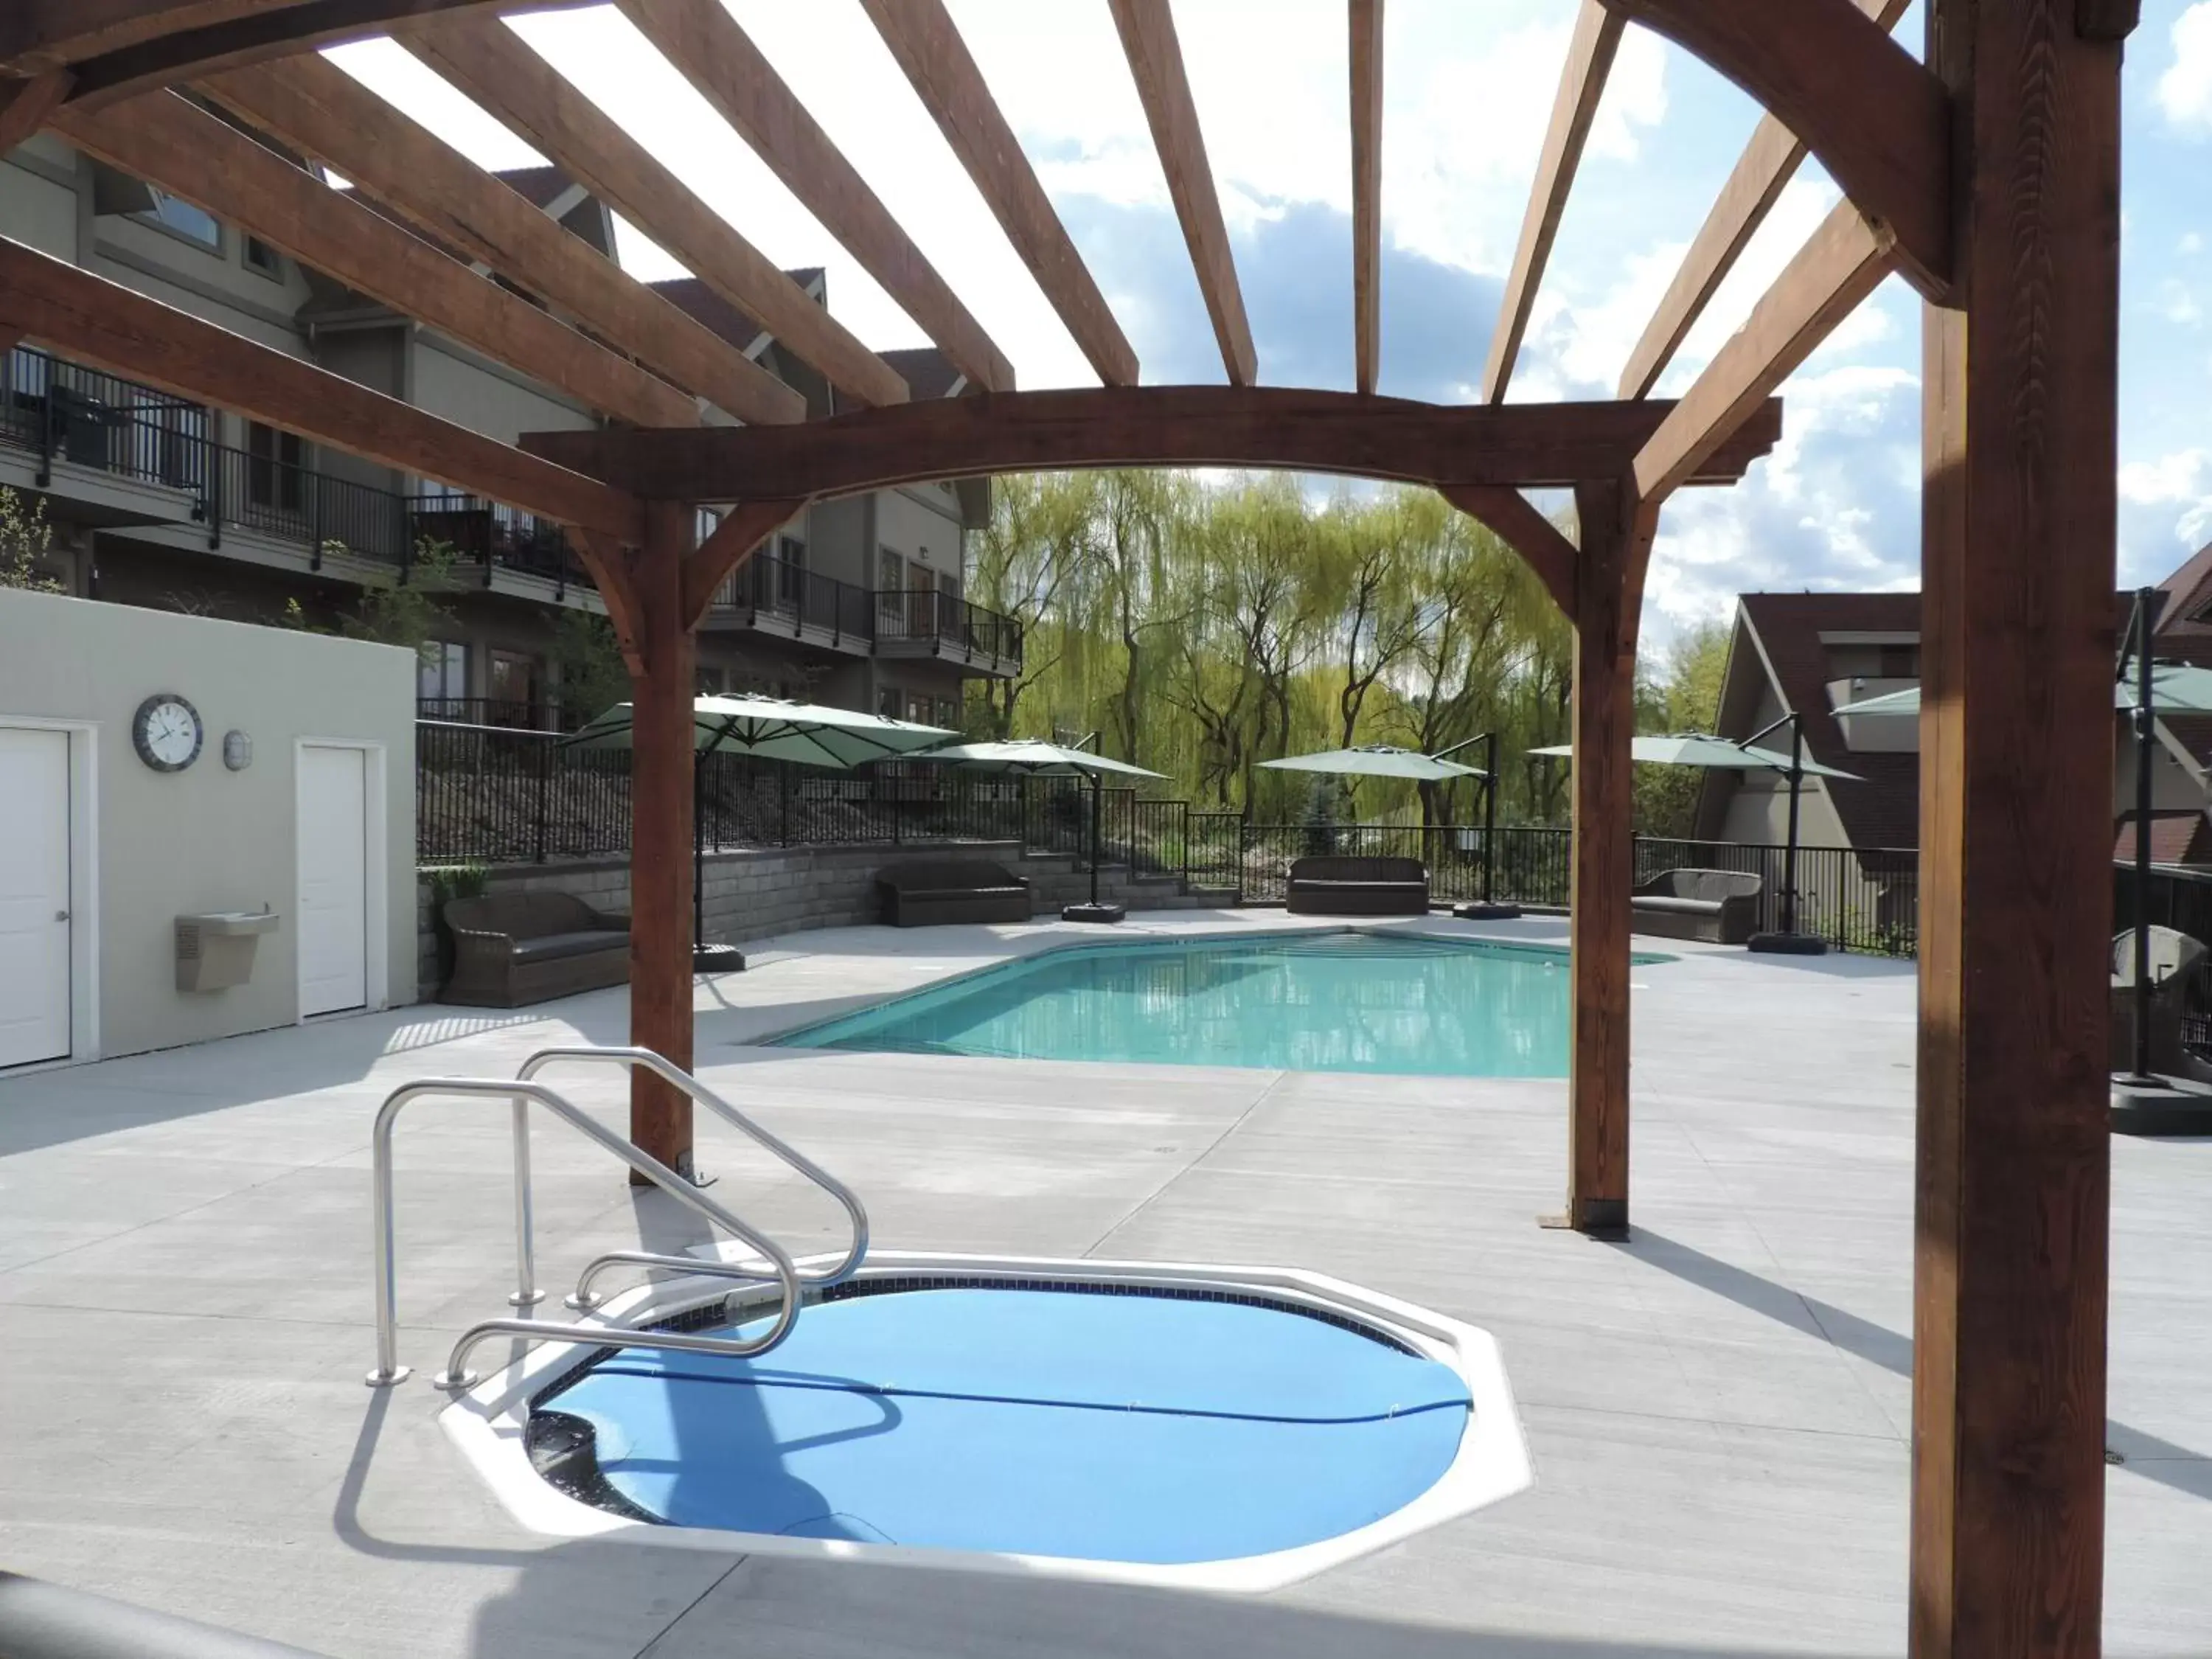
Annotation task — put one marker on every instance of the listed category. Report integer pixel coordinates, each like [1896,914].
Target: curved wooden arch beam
[744,528]
[26,106]
[718,58]
[1148,39]
[320,111]
[922,36]
[1768,163]
[115,328]
[249,34]
[1366,16]
[1582,83]
[1390,439]
[168,141]
[493,65]
[1542,545]
[1877,120]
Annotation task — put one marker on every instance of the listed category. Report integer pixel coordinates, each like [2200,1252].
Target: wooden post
[660,832]
[2015,890]
[1605,718]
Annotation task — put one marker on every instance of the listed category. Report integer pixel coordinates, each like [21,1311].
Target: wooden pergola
[1986,172]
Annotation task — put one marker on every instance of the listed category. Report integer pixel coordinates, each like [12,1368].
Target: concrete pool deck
[1719,1410]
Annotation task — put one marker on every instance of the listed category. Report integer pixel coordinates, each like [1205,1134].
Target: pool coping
[1403,927]
[487,1423]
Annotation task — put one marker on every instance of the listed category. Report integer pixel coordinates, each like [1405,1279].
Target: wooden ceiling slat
[922,36]
[1294,428]
[109,326]
[41,34]
[703,41]
[1366,17]
[1582,83]
[492,65]
[1768,163]
[322,112]
[1842,262]
[1148,39]
[173,144]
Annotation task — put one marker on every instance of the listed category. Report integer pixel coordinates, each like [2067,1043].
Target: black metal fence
[494,795]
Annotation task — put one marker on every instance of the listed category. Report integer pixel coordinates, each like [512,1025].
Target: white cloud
[2185,91]
[2172,492]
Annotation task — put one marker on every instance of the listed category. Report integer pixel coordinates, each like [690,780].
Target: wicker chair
[1720,907]
[517,948]
[1340,885]
[925,892]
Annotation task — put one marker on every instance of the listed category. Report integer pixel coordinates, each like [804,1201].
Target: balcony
[776,596]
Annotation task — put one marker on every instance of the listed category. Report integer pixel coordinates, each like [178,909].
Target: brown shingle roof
[928,372]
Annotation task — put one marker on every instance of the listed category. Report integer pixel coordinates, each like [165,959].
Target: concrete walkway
[1719,1410]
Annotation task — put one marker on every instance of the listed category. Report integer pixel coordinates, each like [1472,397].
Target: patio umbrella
[1030,758]
[1725,754]
[769,728]
[2175,688]
[1383,760]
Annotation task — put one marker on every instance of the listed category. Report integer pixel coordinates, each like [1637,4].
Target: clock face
[166,732]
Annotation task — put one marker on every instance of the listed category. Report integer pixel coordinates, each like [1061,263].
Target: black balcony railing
[498,537]
[781,595]
[925,620]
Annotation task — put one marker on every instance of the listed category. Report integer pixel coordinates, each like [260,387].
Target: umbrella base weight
[1477,912]
[1786,945]
[717,959]
[1096,912]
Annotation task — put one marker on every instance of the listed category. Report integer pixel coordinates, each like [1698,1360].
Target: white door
[34,896]
[333,880]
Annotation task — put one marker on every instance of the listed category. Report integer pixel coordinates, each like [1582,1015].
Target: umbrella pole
[1787,940]
[1094,910]
[2139,997]
[1485,909]
[705,958]
[1097,793]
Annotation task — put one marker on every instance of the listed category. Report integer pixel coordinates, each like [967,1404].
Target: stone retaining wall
[760,893]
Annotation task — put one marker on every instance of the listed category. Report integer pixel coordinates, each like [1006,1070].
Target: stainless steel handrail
[584,1298]
[666,1069]
[521,1091]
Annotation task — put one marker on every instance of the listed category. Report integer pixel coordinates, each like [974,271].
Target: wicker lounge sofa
[511,949]
[1340,885]
[1720,907]
[925,892]
[2174,959]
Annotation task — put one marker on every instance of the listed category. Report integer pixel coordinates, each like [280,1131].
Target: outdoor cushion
[1687,907]
[554,947]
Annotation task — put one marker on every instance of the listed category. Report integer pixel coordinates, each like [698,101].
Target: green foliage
[1204,629]
[24,539]
[454,881]
[1685,695]
[588,659]
[405,613]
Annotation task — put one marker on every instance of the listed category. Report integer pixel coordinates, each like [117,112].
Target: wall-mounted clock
[166,732]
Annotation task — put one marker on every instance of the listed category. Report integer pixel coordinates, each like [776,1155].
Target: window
[274,463]
[174,213]
[1900,662]
[890,601]
[513,690]
[442,679]
[260,257]
[919,709]
[889,701]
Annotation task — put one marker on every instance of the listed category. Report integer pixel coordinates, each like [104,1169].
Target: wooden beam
[1842,262]
[43,34]
[661,829]
[2013,1172]
[322,112]
[1582,84]
[490,63]
[1877,120]
[1295,429]
[1366,192]
[922,36]
[1148,39]
[720,59]
[26,106]
[735,540]
[258,37]
[1541,544]
[1604,871]
[173,144]
[111,327]
[1767,164]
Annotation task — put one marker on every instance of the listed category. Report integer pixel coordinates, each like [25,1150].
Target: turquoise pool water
[1341,1002]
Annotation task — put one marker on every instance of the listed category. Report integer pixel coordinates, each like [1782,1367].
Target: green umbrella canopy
[1031,757]
[1378,760]
[2175,688]
[1703,748]
[808,733]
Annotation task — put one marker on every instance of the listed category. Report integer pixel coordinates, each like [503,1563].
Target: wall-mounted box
[214,951]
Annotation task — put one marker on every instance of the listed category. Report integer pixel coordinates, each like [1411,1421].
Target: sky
[1467,90]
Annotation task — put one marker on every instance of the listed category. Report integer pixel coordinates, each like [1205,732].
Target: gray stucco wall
[207,838]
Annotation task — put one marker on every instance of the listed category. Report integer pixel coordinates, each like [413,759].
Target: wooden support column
[1604,719]
[661,752]
[2013,1167]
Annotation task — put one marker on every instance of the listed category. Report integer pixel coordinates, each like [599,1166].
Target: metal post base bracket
[717,959]
[1786,945]
[1479,911]
[397,1375]
[1098,913]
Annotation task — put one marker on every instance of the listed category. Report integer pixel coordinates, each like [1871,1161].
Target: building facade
[153,500]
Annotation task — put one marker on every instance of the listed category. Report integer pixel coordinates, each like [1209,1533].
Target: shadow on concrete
[2145,1455]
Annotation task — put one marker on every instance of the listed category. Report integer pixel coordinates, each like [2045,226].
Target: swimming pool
[1342,1000]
